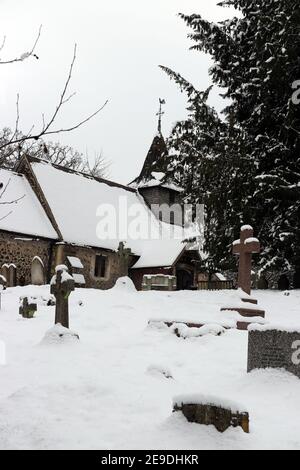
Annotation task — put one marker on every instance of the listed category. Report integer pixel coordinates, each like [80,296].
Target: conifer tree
[256,60]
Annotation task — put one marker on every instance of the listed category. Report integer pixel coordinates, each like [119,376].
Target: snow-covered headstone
[274,348]
[212,411]
[27,307]
[37,272]
[159,282]
[59,335]
[3,283]
[62,284]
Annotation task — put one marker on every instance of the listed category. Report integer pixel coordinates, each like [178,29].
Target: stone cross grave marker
[62,285]
[245,248]
[124,255]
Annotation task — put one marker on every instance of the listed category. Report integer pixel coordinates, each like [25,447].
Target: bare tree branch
[46,127]
[6,215]
[73,128]
[62,97]
[25,55]
[3,43]
[14,201]
[3,189]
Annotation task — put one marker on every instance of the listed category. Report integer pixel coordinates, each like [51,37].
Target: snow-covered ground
[113,390]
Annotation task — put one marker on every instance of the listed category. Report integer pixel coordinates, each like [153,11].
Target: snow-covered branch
[25,55]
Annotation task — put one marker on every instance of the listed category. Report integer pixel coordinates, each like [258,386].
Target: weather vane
[160,113]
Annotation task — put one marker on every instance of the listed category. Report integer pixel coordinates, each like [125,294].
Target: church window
[100,266]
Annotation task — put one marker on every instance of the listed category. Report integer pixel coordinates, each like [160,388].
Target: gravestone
[124,255]
[245,247]
[210,412]
[9,272]
[37,272]
[12,281]
[274,348]
[5,273]
[159,282]
[62,285]
[27,307]
[3,283]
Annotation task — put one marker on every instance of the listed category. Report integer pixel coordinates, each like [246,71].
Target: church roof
[20,209]
[89,211]
[156,161]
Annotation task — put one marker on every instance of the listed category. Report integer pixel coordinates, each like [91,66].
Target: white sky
[120,45]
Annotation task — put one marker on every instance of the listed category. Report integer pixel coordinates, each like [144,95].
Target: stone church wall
[87,257]
[21,251]
[157,196]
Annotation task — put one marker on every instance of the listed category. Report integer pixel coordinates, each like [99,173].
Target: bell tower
[153,183]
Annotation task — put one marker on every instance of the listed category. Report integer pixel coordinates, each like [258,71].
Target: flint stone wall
[20,251]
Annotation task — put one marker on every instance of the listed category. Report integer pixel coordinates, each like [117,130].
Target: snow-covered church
[51,215]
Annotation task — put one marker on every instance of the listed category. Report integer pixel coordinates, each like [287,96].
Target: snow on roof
[20,209]
[159,253]
[83,207]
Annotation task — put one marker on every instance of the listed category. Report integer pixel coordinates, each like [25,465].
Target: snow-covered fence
[215,285]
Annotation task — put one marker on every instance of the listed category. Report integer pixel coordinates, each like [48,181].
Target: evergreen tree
[207,160]
[256,60]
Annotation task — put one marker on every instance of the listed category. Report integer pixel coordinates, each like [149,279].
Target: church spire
[157,157]
[160,113]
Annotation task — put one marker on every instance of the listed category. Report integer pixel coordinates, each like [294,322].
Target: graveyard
[114,388]
[150,228]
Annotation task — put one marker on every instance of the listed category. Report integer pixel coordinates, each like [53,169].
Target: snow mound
[43,300]
[59,335]
[125,284]
[159,371]
[157,325]
[183,331]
